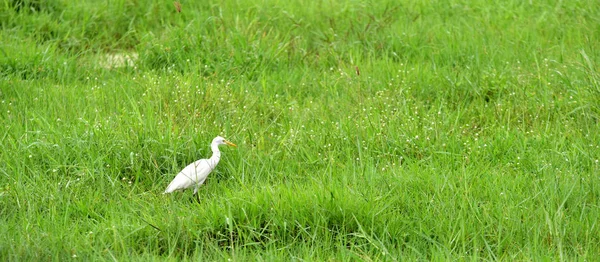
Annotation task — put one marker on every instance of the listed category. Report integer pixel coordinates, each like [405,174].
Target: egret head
[222,141]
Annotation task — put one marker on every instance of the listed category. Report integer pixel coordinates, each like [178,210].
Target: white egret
[195,173]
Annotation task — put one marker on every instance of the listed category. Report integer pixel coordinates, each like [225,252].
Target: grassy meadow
[366,130]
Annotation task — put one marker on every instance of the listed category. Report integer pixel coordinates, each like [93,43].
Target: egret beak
[230,144]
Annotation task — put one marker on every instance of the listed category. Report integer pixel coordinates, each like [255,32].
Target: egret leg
[197,195]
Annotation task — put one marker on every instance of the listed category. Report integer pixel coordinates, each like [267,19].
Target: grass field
[366,130]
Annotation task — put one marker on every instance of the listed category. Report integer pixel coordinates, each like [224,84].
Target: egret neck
[216,156]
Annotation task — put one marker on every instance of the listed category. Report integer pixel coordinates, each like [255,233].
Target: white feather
[194,174]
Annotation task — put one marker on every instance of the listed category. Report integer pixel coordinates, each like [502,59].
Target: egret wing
[194,173]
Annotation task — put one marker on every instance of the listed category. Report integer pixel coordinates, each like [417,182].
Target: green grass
[469,131]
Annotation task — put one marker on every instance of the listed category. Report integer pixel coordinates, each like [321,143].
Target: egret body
[196,173]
